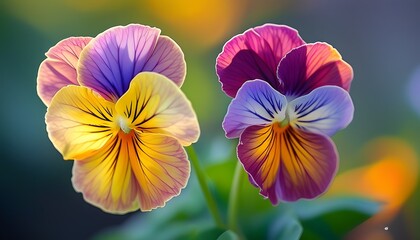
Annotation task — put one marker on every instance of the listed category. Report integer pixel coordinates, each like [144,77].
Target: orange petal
[286,163]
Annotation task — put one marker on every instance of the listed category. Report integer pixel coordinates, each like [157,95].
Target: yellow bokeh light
[203,23]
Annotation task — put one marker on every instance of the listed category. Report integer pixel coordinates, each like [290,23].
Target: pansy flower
[289,98]
[115,107]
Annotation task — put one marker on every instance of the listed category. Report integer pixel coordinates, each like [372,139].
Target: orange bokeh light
[390,179]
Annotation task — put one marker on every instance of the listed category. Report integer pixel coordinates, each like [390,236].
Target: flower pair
[115,107]
[289,97]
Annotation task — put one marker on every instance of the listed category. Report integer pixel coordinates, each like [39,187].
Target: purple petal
[256,103]
[116,56]
[255,54]
[286,163]
[311,66]
[325,110]
[167,59]
[59,69]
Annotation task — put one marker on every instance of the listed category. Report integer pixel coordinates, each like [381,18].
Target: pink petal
[255,54]
[59,68]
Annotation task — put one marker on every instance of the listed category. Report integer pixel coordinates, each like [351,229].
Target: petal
[135,170]
[59,69]
[311,66]
[325,110]
[167,59]
[114,57]
[106,178]
[256,103]
[255,54]
[286,163]
[79,121]
[162,169]
[155,104]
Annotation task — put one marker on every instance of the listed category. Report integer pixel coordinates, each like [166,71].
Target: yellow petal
[154,104]
[79,121]
[106,178]
[132,171]
[161,167]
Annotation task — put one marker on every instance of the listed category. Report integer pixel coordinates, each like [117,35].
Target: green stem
[233,199]
[204,187]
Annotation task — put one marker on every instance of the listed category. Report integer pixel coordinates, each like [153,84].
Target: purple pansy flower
[289,98]
[115,107]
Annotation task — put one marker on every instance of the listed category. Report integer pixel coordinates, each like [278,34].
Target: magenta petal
[114,57]
[59,69]
[287,164]
[311,66]
[255,54]
[256,103]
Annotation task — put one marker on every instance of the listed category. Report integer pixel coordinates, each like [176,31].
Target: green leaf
[211,233]
[311,208]
[228,235]
[286,228]
[251,202]
[333,218]
[221,176]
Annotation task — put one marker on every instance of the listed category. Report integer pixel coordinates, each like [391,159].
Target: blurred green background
[380,39]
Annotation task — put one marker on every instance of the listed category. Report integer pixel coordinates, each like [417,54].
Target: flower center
[285,122]
[123,123]
[282,120]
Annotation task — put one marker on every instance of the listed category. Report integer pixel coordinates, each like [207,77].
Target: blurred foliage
[228,235]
